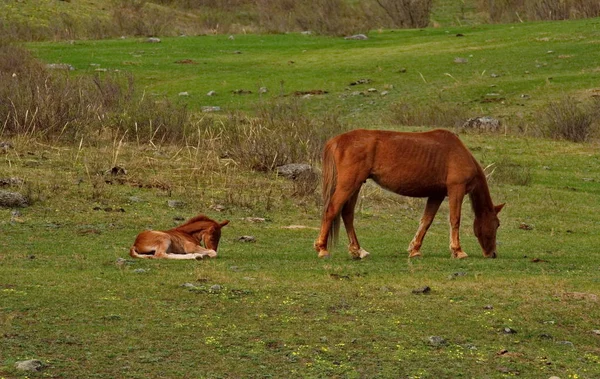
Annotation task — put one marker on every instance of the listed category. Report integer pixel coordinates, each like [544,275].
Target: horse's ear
[499,207]
[224,223]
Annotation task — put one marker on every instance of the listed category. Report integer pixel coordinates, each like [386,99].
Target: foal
[182,242]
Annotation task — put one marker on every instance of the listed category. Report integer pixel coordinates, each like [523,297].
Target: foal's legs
[433,204]
[456,195]
[348,217]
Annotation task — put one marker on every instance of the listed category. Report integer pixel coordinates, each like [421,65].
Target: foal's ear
[224,223]
[499,207]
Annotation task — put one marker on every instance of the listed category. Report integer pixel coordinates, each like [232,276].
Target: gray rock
[13,181]
[437,341]
[211,108]
[60,66]
[247,239]
[175,203]
[485,123]
[30,365]
[153,40]
[357,37]
[12,199]
[293,170]
[422,290]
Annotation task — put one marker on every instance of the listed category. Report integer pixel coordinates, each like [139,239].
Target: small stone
[175,203]
[489,306]
[437,341]
[153,40]
[217,207]
[140,271]
[255,219]
[30,365]
[120,261]
[357,37]
[508,330]
[211,108]
[566,343]
[188,286]
[422,290]
[185,93]
[211,93]
[263,90]
[461,60]
[247,239]
[215,288]
[596,332]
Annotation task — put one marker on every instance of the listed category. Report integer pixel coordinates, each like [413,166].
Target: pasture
[271,308]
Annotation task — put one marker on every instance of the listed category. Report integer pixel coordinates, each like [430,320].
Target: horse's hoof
[359,254]
[324,254]
[414,254]
[459,255]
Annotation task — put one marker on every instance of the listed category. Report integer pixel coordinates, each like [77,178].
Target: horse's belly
[412,188]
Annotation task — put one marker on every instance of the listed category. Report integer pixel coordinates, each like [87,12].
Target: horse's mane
[481,200]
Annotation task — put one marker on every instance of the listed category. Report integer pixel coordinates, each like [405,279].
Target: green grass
[280,311]
[272,308]
[512,70]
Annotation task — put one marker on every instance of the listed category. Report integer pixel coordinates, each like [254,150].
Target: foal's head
[485,227]
[211,235]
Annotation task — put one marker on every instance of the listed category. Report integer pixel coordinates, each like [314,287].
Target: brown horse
[182,242]
[432,164]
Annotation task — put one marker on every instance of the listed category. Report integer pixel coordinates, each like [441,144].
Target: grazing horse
[432,164]
[182,242]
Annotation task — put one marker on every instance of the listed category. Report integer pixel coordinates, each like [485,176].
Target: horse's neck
[481,200]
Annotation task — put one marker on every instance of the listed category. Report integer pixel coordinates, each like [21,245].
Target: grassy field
[271,308]
[509,71]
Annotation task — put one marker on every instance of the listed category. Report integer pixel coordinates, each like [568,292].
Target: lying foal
[182,242]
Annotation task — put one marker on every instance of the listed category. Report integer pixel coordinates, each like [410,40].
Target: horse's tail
[329,181]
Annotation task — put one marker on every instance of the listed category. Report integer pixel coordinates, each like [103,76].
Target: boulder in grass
[12,200]
[484,124]
[33,365]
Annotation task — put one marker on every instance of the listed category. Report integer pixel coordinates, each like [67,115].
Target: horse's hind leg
[348,217]
[341,196]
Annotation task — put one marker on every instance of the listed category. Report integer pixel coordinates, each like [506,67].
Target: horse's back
[412,164]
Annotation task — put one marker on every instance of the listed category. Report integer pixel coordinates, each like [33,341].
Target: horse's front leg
[456,195]
[431,208]
[348,216]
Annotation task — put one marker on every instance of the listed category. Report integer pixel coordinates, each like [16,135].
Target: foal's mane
[195,224]
[197,219]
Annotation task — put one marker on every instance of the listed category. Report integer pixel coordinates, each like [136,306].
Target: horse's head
[210,236]
[485,227]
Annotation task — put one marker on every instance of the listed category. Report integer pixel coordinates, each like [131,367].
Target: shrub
[569,119]
[279,134]
[55,105]
[407,13]
[534,10]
